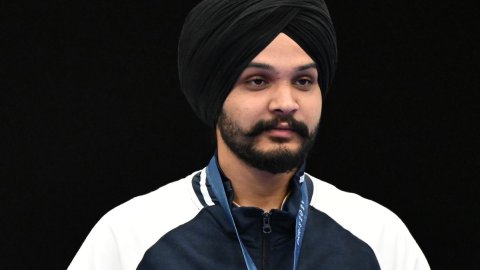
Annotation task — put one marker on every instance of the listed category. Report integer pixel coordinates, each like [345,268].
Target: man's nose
[283,100]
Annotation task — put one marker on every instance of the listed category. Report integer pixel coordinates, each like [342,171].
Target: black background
[92,115]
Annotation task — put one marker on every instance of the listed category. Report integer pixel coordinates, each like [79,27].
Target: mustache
[264,125]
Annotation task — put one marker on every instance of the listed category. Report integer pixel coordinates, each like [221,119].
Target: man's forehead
[282,54]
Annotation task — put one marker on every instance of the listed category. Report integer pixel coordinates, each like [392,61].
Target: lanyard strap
[216,184]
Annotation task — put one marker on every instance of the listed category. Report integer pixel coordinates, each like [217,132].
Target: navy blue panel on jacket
[209,242]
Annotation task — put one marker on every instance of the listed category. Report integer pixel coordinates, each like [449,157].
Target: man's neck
[251,186]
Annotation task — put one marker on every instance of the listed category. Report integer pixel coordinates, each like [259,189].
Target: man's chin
[278,145]
[274,160]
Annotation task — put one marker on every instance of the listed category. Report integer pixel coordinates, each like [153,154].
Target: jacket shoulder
[373,223]
[124,233]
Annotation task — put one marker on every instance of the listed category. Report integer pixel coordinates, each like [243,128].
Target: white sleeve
[99,251]
[120,239]
[397,250]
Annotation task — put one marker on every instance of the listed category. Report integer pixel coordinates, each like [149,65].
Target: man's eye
[257,83]
[304,83]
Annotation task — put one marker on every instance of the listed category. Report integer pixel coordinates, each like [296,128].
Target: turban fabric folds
[221,37]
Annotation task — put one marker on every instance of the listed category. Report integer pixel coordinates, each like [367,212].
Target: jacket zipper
[266,229]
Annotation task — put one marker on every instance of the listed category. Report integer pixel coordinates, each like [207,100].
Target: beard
[279,160]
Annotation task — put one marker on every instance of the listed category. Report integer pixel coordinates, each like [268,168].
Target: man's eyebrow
[270,67]
[260,65]
[307,66]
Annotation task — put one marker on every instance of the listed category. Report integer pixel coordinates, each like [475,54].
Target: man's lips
[283,131]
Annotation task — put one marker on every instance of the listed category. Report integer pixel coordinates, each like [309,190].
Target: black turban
[221,37]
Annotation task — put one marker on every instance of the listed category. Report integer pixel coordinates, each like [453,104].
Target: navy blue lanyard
[215,180]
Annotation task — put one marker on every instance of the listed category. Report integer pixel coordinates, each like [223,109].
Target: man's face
[270,118]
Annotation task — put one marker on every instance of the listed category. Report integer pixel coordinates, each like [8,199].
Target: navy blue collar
[290,205]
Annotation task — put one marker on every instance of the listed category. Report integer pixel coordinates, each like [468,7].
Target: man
[256,71]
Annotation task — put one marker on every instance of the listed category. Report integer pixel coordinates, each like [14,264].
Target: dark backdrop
[92,116]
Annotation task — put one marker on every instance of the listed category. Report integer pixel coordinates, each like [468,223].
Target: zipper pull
[266,223]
